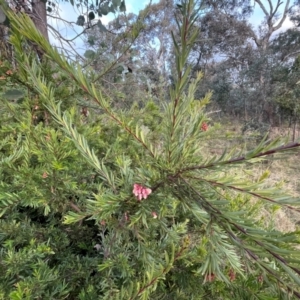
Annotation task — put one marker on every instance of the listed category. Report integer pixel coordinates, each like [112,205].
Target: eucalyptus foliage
[130,204]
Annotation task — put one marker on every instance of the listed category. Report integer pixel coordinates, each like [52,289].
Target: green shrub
[128,204]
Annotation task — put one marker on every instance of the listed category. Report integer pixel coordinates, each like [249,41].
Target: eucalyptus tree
[250,52]
[142,61]
[88,15]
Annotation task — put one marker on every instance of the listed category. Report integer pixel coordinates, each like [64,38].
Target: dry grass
[285,171]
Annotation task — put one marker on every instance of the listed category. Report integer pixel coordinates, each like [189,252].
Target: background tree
[287,93]
[40,11]
[250,55]
[146,66]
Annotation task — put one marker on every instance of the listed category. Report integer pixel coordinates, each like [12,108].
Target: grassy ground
[284,171]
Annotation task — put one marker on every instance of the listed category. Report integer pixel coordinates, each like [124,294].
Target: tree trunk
[39,17]
[294,128]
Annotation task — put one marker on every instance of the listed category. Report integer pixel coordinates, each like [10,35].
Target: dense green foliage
[102,203]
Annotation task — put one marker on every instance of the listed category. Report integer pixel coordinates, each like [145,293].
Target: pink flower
[141,192]
[154,215]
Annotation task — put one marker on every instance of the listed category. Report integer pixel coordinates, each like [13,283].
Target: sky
[258,16]
[69,13]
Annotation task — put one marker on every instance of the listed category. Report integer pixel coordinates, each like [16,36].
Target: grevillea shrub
[129,204]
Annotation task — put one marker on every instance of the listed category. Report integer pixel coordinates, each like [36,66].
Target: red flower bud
[204,126]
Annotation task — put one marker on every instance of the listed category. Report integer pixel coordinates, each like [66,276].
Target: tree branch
[254,37]
[232,187]
[277,6]
[263,8]
[283,17]
[60,37]
[223,221]
[242,158]
[271,7]
[289,55]
[61,19]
